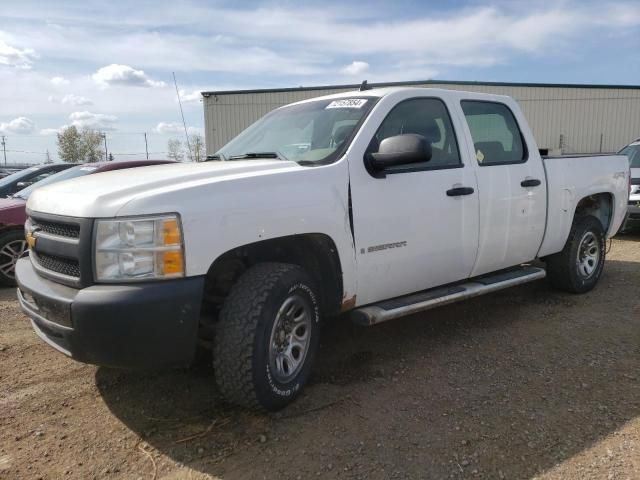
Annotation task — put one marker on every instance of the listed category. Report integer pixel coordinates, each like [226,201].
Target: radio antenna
[184,124]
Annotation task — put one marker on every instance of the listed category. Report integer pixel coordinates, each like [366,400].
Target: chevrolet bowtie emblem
[31,240]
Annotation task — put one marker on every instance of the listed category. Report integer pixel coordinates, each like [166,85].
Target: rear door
[415,227]
[511,183]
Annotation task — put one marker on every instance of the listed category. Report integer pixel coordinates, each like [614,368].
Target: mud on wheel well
[316,253]
[599,205]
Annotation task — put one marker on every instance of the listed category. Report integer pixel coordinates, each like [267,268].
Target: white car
[632,151]
[402,199]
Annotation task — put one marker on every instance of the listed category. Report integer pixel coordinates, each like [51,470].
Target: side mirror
[22,185]
[401,150]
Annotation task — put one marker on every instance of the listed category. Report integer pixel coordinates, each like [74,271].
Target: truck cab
[367,205]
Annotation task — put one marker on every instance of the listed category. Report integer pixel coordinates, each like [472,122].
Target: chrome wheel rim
[588,255]
[9,255]
[290,338]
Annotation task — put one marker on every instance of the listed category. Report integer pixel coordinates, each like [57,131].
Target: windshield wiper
[255,155]
[217,156]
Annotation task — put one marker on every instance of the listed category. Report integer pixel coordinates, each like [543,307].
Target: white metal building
[564,118]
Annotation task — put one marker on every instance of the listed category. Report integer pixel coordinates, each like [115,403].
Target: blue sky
[108,65]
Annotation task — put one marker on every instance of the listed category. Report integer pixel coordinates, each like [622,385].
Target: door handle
[458,191]
[530,182]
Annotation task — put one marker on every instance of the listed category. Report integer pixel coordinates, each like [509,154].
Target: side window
[37,178]
[427,117]
[496,136]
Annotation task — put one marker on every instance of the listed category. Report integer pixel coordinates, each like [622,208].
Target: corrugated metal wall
[568,119]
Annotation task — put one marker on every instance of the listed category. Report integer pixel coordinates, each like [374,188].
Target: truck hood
[105,194]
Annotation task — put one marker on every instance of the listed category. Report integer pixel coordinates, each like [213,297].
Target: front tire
[577,268]
[12,247]
[267,336]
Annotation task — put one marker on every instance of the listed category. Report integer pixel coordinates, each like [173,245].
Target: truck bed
[572,177]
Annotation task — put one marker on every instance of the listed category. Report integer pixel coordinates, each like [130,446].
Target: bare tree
[197,148]
[175,150]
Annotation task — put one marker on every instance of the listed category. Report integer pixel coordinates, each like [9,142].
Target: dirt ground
[524,383]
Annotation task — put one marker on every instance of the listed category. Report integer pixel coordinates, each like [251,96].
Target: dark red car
[13,211]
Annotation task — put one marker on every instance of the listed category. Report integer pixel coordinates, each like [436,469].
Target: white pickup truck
[375,203]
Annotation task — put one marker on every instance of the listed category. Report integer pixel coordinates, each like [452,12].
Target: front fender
[218,217]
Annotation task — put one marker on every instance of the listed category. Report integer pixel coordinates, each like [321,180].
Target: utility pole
[48,157]
[146,145]
[106,155]
[4,150]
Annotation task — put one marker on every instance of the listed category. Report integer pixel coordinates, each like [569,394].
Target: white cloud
[355,68]
[190,97]
[51,131]
[174,128]
[168,128]
[59,81]
[97,121]
[70,99]
[15,57]
[19,126]
[124,75]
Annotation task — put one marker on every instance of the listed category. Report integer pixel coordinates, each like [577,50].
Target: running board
[418,302]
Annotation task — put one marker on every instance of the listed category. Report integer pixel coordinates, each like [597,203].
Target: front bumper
[133,326]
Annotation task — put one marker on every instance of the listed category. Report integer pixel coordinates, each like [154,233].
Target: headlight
[141,248]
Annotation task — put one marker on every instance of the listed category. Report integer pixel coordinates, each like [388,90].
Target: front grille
[60,229]
[64,266]
[61,248]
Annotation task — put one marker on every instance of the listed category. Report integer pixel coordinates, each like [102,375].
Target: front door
[415,225]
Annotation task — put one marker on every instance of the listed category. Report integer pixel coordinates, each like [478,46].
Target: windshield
[72,172]
[310,132]
[9,179]
[633,152]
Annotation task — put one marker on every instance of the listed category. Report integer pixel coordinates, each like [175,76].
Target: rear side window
[496,136]
[427,117]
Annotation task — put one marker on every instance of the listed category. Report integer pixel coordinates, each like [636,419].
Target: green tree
[75,146]
[92,145]
[70,147]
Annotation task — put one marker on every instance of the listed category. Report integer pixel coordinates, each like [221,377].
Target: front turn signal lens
[172,263]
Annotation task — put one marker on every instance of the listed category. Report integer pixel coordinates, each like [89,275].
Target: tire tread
[236,329]
[559,265]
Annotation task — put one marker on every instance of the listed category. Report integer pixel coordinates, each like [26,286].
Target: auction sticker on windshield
[347,103]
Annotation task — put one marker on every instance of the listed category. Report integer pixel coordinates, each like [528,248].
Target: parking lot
[520,384]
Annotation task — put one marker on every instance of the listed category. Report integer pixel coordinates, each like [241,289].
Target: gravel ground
[525,383]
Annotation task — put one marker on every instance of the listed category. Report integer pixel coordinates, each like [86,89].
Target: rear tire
[267,336]
[577,268]
[12,247]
